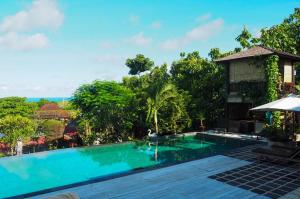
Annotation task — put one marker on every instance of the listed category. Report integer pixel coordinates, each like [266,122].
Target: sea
[51,99]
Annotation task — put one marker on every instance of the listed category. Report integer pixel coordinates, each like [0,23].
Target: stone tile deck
[233,175]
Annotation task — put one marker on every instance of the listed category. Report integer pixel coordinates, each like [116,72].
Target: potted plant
[275,136]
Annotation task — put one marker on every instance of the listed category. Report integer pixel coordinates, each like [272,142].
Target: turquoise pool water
[39,171]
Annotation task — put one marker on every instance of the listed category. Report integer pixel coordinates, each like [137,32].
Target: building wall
[288,72]
[246,70]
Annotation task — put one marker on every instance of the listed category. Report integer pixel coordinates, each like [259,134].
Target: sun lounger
[279,153]
[65,196]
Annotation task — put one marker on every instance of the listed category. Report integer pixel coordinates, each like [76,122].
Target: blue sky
[49,47]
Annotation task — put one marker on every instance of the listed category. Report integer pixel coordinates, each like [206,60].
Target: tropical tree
[165,95]
[17,106]
[105,105]
[138,85]
[139,64]
[16,127]
[171,118]
[284,36]
[215,53]
[244,38]
[203,81]
[53,129]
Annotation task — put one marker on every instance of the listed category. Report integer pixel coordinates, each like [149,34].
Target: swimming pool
[45,170]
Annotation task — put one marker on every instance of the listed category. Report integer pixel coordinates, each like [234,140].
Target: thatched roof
[258,51]
[49,106]
[52,111]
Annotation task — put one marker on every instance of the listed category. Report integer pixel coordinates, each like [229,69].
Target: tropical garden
[187,95]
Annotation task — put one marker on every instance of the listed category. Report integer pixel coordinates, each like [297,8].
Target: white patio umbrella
[290,103]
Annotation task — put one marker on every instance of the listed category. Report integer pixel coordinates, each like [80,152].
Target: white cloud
[203,17]
[172,44]
[17,41]
[109,58]
[3,88]
[41,14]
[156,25]
[134,19]
[200,33]
[139,40]
[203,32]
[106,45]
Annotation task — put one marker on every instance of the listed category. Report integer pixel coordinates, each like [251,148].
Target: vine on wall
[272,77]
[272,81]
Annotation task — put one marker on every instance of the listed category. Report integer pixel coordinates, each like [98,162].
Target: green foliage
[42,102]
[272,80]
[272,77]
[139,64]
[165,95]
[250,89]
[204,81]
[16,127]
[273,133]
[139,86]
[172,116]
[244,38]
[16,106]
[215,53]
[105,107]
[284,36]
[53,129]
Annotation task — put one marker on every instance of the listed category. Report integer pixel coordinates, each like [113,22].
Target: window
[288,72]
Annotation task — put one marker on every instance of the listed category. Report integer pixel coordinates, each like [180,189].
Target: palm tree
[163,96]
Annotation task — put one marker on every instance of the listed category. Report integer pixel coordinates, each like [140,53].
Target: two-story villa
[247,68]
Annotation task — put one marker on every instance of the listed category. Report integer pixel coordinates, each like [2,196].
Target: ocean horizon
[52,99]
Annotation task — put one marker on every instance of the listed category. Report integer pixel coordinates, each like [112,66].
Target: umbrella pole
[293,123]
[285,116]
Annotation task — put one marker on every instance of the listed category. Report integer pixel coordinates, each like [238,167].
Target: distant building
[52,111]
[247,66]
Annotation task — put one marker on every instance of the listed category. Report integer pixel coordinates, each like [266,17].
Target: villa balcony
[239,87]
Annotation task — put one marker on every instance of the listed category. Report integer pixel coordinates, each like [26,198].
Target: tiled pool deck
[236,174]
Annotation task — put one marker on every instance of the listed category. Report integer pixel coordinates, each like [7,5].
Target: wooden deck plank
[187,180]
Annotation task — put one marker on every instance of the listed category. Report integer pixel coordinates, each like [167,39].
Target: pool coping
[208,132]
[126,173]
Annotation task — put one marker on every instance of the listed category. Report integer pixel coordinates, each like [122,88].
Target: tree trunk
[155,121]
